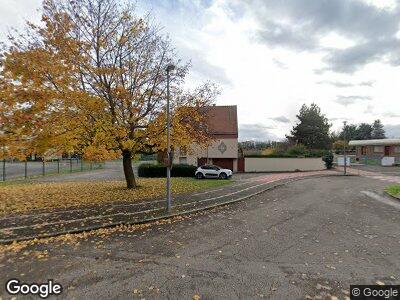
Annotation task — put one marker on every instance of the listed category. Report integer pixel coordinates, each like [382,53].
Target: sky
[270,57]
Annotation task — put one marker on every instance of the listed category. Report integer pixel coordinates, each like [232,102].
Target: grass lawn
[25,197]
[393,190]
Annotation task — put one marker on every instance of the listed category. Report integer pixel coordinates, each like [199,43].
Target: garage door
[225,163]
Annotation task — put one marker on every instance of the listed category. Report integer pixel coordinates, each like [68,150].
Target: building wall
[377,152]
[220,148]
[266,164]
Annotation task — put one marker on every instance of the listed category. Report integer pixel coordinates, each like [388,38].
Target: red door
[387,150]
[241,164]
[225,163]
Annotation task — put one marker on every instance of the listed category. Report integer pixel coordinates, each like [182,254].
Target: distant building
[377,149]
[223,126]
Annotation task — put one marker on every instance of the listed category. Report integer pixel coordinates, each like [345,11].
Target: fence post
[4,169]
[58,166]
[26,169]
[70,165]
[81,165]
[43,167]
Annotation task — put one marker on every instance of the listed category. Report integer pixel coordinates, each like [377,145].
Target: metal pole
[26,169]
[4,169]
[43,167]
[58,166]
[169,198]
[81,165]
[344,148]
[70,164]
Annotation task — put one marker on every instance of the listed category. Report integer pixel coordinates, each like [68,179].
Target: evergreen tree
[312,130]
[364,132]
[378,132]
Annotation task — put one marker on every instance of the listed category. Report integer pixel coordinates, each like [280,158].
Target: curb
[279,183]
[391,196]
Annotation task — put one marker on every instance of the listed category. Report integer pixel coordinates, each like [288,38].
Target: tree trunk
[128,170]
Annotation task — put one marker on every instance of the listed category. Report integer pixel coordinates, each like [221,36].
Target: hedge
[152,170]
[308,154]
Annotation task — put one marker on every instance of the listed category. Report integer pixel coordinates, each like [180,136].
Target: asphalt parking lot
[312,238]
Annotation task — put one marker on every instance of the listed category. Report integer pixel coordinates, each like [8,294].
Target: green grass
[393,190]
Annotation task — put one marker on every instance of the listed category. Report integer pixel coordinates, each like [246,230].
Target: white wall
[213,151]
[266,164]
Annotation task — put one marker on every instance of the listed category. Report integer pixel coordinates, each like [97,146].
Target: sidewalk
[56,222]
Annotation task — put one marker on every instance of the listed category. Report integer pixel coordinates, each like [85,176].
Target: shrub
[297,150]
[295,154]
[328,159]
[152,170]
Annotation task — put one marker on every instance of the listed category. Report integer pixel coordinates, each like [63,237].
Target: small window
[363,150]
[183,160]
[378,149]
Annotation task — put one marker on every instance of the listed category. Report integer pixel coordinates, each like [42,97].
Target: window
[183,160]
[378,149]
[363,150]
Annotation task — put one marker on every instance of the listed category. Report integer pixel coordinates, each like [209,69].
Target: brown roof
[222,120]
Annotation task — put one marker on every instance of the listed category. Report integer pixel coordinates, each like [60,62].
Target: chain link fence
[14,170]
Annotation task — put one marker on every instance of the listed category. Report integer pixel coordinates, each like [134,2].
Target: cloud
[339,119]
[301,25]
[279,64]
[392,131]
[281,119]
[354,58]
[340,84]
[369,109]
[256,132]
[347,100]
[391,114]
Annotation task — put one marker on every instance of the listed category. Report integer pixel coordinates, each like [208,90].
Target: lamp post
[170,68]
[344,147]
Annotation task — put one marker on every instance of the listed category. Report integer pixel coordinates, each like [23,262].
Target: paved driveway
[312,238]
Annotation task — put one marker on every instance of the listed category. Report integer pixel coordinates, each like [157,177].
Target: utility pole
[344,146]
[170,67]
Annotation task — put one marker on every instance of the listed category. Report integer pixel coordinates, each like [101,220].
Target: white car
[210,171]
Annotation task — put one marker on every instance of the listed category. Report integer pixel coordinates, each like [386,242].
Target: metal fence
[13,170]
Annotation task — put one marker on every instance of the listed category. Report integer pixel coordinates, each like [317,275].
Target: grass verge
[27,197]
[393,190]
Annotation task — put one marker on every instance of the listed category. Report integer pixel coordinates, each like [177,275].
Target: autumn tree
[312,130]
[91,80]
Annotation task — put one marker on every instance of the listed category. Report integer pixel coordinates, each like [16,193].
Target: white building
[223,151]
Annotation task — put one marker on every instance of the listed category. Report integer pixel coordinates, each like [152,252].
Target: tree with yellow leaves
[91,80]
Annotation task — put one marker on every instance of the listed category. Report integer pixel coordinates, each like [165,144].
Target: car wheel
[223,176]
[199,176]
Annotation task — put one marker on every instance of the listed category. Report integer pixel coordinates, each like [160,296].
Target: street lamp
[344,146]
[169,68]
